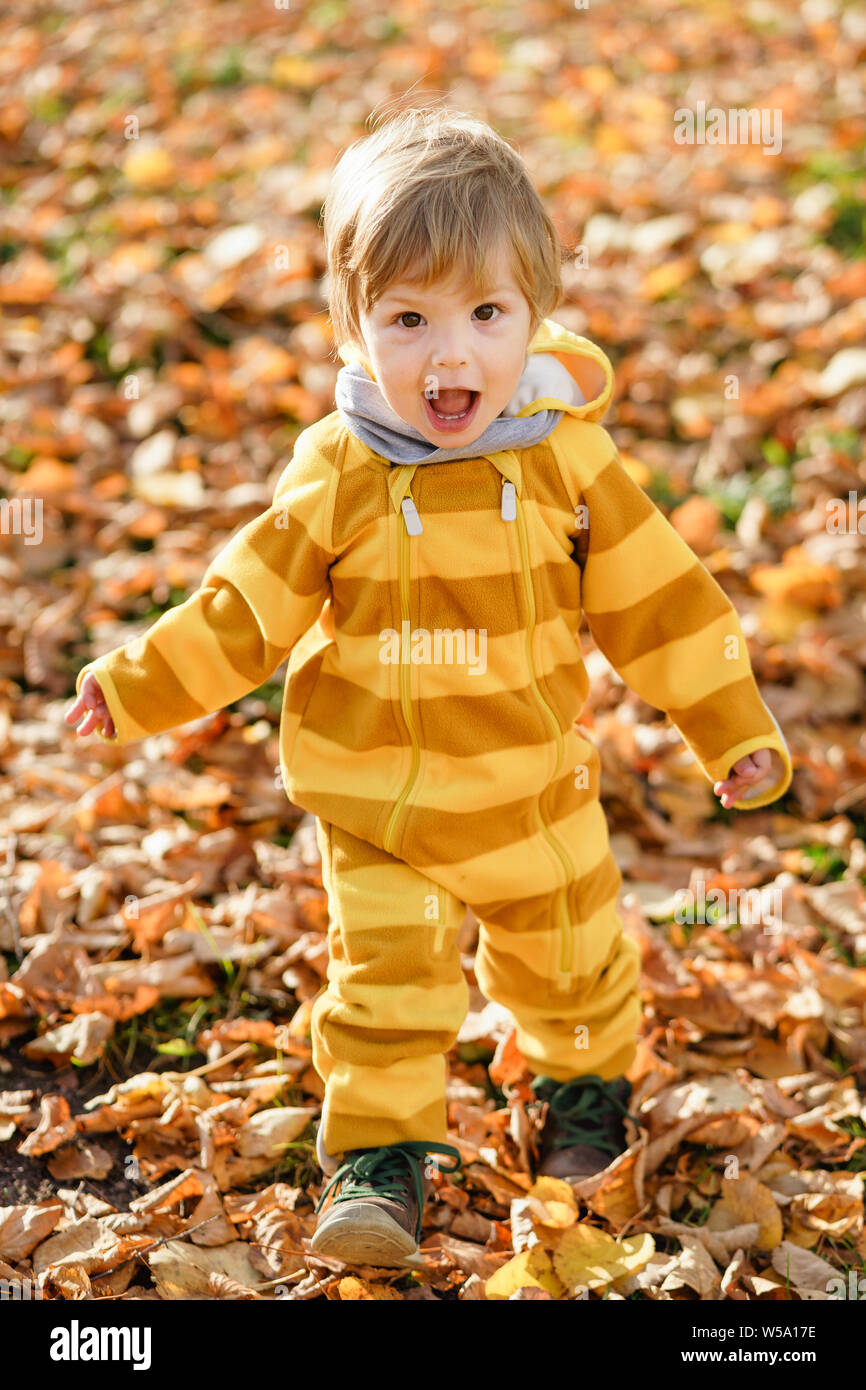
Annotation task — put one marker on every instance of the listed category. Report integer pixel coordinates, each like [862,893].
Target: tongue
[452,402]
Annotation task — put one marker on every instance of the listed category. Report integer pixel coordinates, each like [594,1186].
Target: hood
[587,367]
[564,374]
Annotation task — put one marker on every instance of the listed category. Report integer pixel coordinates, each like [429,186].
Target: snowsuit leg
[591,1027]
[560,960]
[395,999]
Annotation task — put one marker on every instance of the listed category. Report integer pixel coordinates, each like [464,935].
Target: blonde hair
[430,193]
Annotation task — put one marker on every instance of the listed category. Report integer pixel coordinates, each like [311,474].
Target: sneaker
[375,1216]
[581,1124]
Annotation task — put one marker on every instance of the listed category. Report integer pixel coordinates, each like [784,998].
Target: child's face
[429,340]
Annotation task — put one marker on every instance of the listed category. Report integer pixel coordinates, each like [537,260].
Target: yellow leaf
[616,1201]
[782,620]
[588,1257]
[530,1269]
[799,581]
[726,233]
[355,1290]
[611,140]
[669,276]
[548,1189]
[750,1200]
[555,1215]
[150,167]
[552,1203]
[597,78]
[289,70]
[799,1235]
[482,60]
[635,468]
[556,114]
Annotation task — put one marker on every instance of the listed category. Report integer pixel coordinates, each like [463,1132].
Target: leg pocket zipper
[435,912]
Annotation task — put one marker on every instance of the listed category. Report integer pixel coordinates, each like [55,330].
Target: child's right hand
[90,699]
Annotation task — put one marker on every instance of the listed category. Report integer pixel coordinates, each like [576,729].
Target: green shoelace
[378,1172]
[582,1110]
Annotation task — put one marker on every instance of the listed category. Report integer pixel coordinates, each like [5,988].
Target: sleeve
[664,623]
[257,597]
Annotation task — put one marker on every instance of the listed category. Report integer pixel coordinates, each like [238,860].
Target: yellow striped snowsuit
[440,779]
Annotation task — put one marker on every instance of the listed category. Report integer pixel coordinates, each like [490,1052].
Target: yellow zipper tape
[397,494]
[566,959]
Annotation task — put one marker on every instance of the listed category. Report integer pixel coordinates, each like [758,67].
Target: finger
[91,689]
[730,784]
[749,772]
[727,792]
[88,724]
[91,699]
[75,710]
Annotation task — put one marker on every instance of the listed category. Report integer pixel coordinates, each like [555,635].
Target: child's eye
[413,313]
[497,307]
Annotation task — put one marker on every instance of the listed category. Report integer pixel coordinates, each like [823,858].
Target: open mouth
[452,421]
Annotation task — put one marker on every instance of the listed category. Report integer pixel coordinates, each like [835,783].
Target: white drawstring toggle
[509,502]
[411,517]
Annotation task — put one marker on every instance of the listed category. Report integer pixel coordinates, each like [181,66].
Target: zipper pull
[509,502]
[411,517]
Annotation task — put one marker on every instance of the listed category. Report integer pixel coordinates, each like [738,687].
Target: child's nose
[450,354]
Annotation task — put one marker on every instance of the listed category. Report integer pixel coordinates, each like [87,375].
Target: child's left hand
[745,773]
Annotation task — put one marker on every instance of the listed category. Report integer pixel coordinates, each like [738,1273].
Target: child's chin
[452,441]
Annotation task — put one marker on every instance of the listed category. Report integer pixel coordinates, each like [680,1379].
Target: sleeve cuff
[115,709]
[717,769]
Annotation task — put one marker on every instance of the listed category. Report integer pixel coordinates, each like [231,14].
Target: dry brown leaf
[749,1200]
[81,1040]
[25,1226]
[183,1271]
[55,1127]
[808,1273]
[693,1269]
[80,1160]
[267,1132]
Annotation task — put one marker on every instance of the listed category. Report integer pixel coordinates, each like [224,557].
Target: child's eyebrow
[411,293]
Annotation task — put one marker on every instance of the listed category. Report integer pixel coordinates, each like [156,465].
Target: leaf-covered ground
[162,919]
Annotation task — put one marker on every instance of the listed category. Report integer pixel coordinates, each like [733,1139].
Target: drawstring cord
[400,488]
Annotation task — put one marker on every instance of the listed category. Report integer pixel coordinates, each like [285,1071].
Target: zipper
[567,943]
[510,511]
[411,528]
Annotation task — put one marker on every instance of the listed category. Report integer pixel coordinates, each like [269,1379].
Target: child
[423,566]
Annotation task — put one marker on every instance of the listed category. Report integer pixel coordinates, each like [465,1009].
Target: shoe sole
[364,1235]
